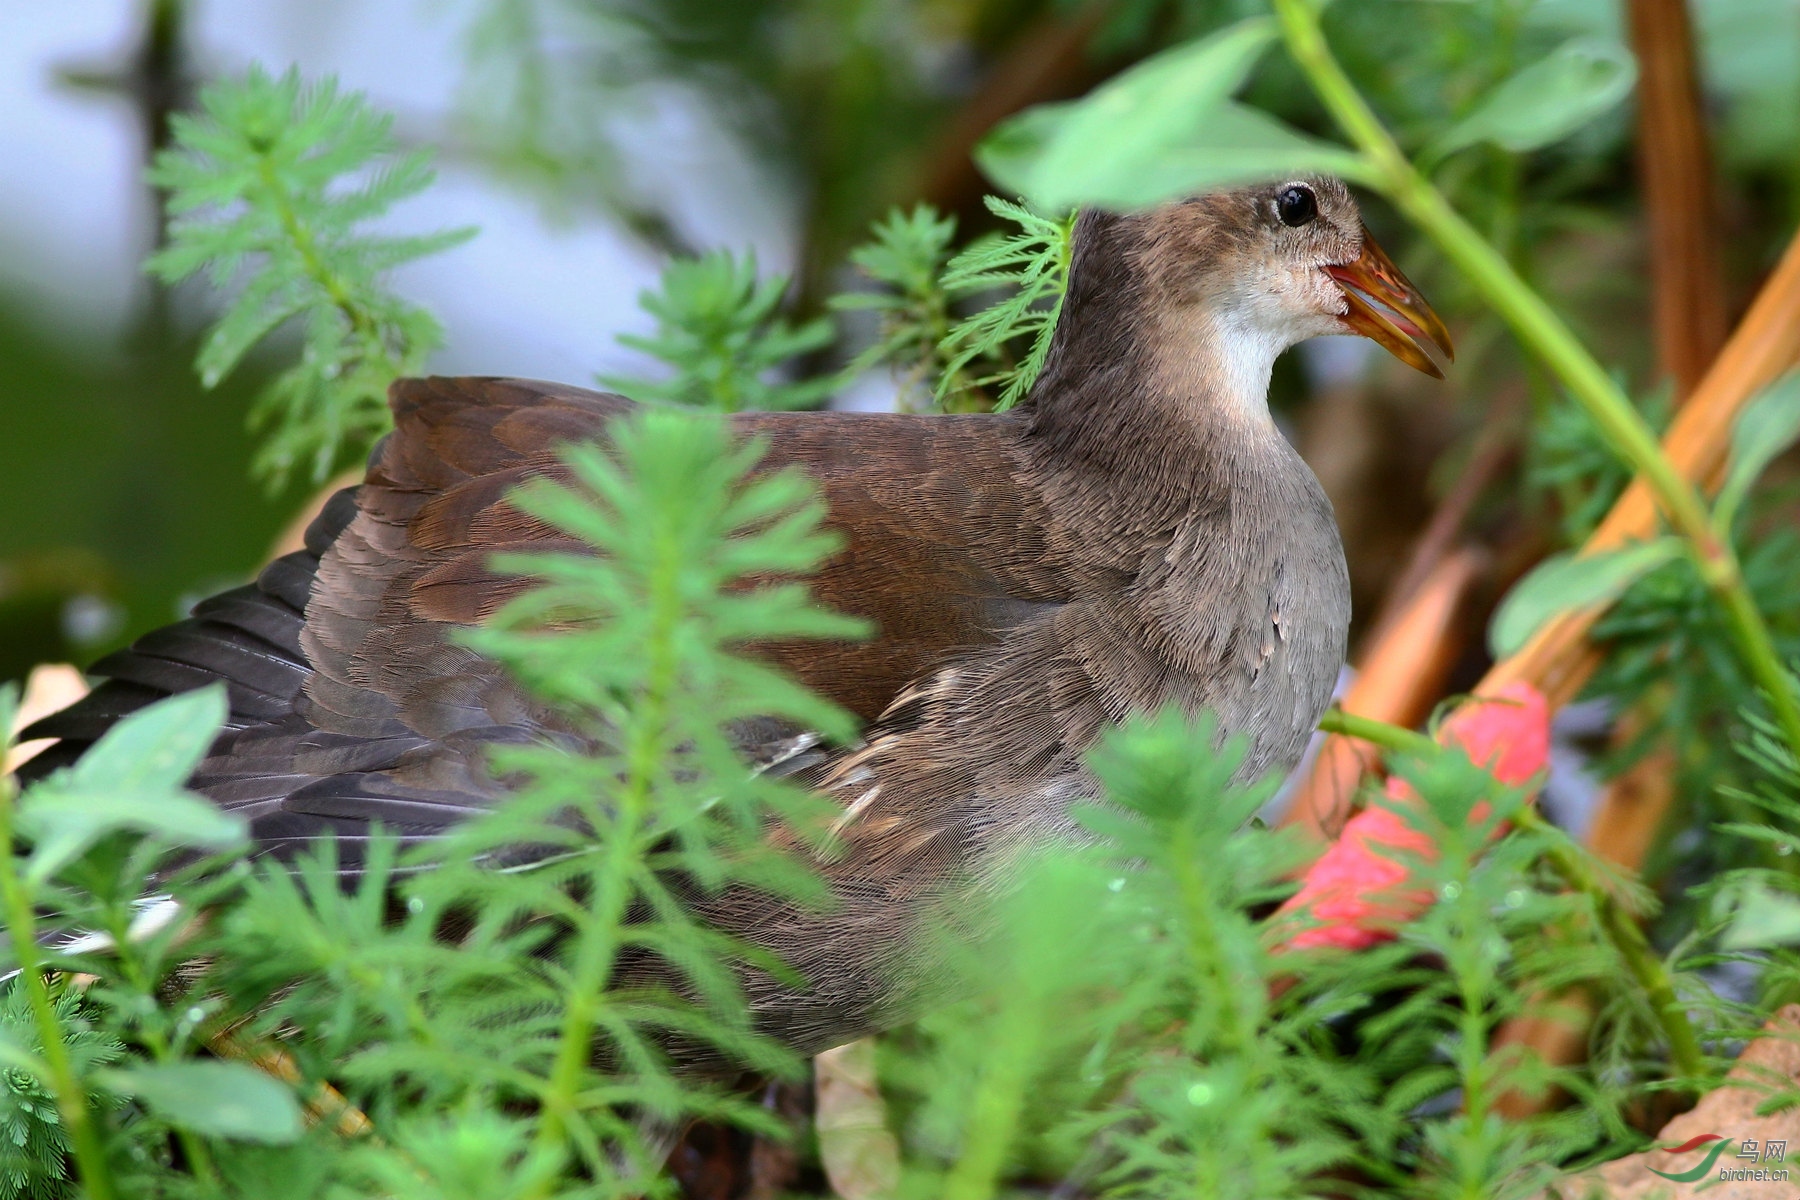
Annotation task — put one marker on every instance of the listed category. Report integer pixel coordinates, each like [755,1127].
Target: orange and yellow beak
[1385,307]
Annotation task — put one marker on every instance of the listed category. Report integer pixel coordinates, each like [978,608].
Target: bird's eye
[1296,205]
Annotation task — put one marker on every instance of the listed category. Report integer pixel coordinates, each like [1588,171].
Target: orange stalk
[1676,173]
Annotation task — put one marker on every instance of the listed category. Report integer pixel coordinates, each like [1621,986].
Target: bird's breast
[1249,611]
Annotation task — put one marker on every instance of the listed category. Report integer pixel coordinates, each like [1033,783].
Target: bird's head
[1282,262]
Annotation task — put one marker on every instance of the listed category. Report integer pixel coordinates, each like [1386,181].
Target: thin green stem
[1235,1030]
[1473,1061]
[1235,1020]
[329,281]
[593,966]
[994,1112]
[1628,937]
[1472,1043]
[1378,733]
[71,1099]
[1545,334]
[142,983]
[616,876]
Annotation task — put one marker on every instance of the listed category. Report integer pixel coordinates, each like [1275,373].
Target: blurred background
[590,140]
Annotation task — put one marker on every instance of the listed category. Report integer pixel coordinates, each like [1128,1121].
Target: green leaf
[1144,111]
[1031,270]
[271,185]
[158,746]
[1238,144]
[1566,581]
[1011,152]
[721,332]
[132,780]
[1165,128]
[216,1099]
[63,823]
[1763,919]
[1767,426]
[1548,100]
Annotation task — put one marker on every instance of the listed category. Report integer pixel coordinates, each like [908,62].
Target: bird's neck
[1209,369]
[1174,405]
[1147,382]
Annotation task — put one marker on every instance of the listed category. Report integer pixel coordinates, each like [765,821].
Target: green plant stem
[597,952]
[1236,1030]
[1473,1061]
[1628,938]
[994,1113]
[593,967]
[142,983]
[1378,733]
[332,284]
[1621,929]
[1545,334]
[71,1100]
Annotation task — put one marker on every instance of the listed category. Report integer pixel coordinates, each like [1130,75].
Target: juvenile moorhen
[1137,532]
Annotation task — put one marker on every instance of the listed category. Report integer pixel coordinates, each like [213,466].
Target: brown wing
[351,702]
[944,552]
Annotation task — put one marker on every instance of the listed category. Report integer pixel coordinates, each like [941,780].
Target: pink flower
[1358,894]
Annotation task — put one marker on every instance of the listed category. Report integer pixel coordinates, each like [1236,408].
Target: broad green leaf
[1165,128]
[1764,919]
[131,779]
[1154,106]
[216,1099]
[62,821]
[1238,144]
[1566,581]
[158,746]
[1548,100]
[1010,153]
[1767,426]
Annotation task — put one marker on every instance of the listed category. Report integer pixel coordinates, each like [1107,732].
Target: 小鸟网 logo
[1712,1146]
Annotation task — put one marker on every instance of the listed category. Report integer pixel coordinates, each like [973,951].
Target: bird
[1136,533]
